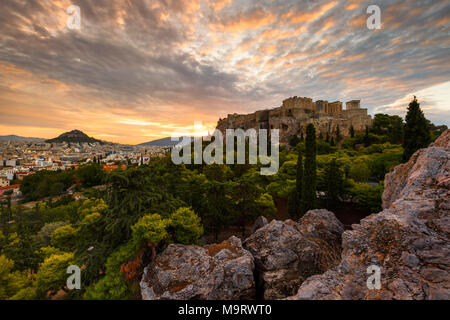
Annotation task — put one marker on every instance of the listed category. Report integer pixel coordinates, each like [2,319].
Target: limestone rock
[408,240]
[286,253]
[260,222]
[216,272]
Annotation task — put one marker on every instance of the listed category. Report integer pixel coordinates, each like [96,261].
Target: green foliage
[10,282]
[294,140]
[91,175]
[151,228]
[52,274]
[417,130]
[436,131]
[186,226]
[367,196]
[335,179]
[46,183]
[324,147]
[391,126]
[44,236]
[114,286]
[310,174]
[28,293]
[64,237]
[359,172]
[295,205]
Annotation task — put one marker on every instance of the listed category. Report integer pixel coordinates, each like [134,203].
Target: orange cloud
[301,17]
[257,19]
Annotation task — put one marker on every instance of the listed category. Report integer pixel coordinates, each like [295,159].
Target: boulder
[409,241]
[215,272]
[260,222]
[286,253]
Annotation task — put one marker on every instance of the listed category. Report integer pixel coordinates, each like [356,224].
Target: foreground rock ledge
[408,240]
[217,272]
[286,253]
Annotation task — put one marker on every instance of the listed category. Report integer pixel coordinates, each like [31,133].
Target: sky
[141,70]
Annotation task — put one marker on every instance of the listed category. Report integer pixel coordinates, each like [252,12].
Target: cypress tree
[332,142]
[366,138]
[352,131]
[295,207]
[335,182]
[338,134]
[309,181]
[299,183]
[417,131]
[327,139]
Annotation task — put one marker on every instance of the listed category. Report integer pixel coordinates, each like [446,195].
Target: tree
[396,130]
[332,142]
[417,131]
[338,134]
[352,131]
[186,226]
[310,175]
[294,141]
[359,172]
[335,179]
[10,281]
[295,206]
[64,237]
[52,273]
[366,137]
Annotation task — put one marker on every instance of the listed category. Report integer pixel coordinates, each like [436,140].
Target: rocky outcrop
[408,241]
[286,253]
[260,222]
[216,272]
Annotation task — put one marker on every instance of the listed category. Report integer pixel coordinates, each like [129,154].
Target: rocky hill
[409,240]
[315,259]
[74,136]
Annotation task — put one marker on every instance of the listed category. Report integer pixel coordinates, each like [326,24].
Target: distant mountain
[164,142]
[13,137]
[75,136]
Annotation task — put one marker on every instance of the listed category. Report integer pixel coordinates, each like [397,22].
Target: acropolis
[297,112]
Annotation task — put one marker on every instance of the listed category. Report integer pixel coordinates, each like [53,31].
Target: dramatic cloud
[137,70]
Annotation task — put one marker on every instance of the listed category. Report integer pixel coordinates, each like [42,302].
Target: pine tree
[417,132]
[352,131]
[309,181]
